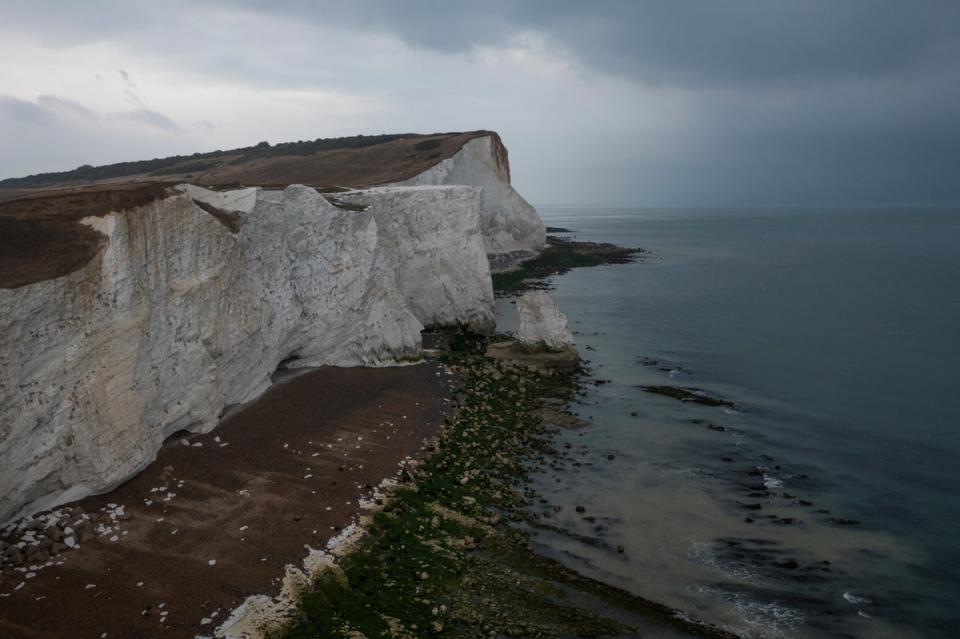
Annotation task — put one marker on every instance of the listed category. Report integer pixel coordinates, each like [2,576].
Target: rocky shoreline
[448,549]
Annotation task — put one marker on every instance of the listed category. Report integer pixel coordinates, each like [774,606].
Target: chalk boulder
[542,326]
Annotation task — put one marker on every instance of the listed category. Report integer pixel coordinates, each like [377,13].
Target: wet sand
[217,519]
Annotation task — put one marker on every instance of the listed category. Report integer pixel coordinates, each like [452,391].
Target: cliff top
[40,238]
[356,161]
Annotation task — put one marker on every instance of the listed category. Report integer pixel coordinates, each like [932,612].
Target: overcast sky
[668,102]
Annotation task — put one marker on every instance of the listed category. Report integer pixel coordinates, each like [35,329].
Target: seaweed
[557,258]
[444,555]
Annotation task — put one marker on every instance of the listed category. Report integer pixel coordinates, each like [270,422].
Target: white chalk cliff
[512,230]
[196,299]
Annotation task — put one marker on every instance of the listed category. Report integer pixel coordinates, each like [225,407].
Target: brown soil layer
[291,471]
[40,237]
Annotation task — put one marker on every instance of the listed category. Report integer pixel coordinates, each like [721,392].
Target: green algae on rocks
[559,256]
[449,553]
[693,395]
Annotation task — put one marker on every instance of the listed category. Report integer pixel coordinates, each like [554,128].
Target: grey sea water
[825,503]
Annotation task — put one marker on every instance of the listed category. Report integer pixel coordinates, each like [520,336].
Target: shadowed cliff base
[218,516]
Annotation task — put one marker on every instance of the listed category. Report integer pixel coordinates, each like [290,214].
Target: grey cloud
[23,111]
[711,43]
[812,100]
[128,89]
[64,106]
[705,43]
[49,109]
[150,118]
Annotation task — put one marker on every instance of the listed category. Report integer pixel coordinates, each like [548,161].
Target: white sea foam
[771,482]
[767,619]
[705,553]
[854,599]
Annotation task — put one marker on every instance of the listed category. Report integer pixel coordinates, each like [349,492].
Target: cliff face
[194,300]
[512,230]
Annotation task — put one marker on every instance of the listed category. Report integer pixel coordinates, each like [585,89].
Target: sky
[632,102]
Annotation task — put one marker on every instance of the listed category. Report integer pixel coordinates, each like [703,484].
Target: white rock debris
[542,325]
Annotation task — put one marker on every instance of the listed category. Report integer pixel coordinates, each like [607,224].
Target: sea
[821,497]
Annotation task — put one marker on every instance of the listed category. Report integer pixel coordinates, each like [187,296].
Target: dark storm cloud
[710,42]
[802,100]
[689,43]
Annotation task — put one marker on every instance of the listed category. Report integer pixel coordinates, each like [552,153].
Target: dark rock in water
[840,521]
[804,502]
[693,395]
[786,521]
[726,459]
[610,457]
[581,509]
[648,361]
[557,229]
[790,564]
[633,414]
[752,506]
[620,549]
[722,429]
[748,520]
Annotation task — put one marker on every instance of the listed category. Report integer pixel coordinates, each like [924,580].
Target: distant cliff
[130,311]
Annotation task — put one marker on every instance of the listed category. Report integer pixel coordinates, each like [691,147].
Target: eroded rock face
[512,230]
[542,326]
[441,268]
[181,315]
